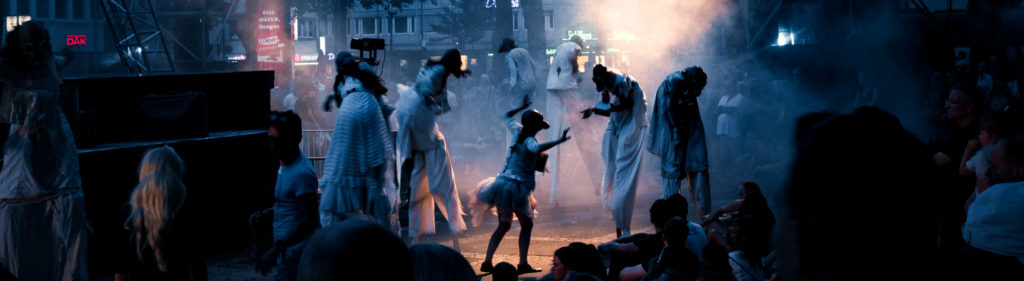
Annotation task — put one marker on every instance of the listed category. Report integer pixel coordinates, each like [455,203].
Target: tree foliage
[466,21]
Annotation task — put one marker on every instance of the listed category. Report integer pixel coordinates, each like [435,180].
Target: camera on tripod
[370,45]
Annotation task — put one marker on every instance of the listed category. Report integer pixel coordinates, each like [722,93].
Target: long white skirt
[622,154]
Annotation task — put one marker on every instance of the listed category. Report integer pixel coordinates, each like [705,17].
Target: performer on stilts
[622,143]
[563,101]
[677,136]
[511,192]
[521,77]
[358,176]
[426,167]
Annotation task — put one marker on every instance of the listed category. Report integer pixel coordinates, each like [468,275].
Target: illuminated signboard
[622,36]
[494,3]
[586,36]
[75,40]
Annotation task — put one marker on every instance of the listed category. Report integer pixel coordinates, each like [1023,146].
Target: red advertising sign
[271,40]
[75,40]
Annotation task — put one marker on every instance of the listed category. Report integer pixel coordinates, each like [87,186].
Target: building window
[80,7]
[23,7]
[62,9]
[515,20]
[368,26]
[549,20]
[306,28]
[43,9]
[403,25]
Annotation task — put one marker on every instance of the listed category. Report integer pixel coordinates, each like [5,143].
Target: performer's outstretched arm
[551,144]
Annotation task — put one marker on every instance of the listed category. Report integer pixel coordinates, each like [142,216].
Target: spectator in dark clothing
[578,257]
[164,245]
[715,266]
[355,250]
[295,195]
[675,261]
[962,111]
[640,248]
[826,234]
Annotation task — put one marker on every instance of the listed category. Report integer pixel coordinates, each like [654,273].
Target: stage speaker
[172,116]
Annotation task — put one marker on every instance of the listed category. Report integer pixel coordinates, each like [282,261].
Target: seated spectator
[578,261]
[750,257]
[861,202]
[748,189]
[433,262]
[696,238]
[355,250]
[164,245]
[752,205]
[975,159]
[994,233]
[505,272]
[675,262]
[715,266]
[642,247]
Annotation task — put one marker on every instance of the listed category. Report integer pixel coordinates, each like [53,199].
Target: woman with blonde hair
[158,235]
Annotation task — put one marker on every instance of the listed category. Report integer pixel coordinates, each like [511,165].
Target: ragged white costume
[621,149]
[420,141]
[358,173]
[563,103]
[42,209]
[677,136]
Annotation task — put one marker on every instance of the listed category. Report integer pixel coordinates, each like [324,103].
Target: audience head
[505,272]
[991,129]
[284,133]
[962,101]
[1007,159]
[680,207]
[156,200]
[847,169]
[577,257]
[755,204]
[355,250]
[675,232]
[433,262]
[661,211]
[715,266]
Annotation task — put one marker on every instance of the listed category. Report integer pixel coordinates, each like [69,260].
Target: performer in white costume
[42,209]
[677,136]
[521,76]
[563,101]
[622,143]
[426,166]
[358,176]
